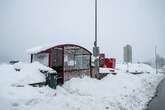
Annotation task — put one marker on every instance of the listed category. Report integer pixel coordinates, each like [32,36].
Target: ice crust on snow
[123,91]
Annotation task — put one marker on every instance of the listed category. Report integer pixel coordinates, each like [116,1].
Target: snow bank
[123,91]
[137,67]
[22,73]
[116,92]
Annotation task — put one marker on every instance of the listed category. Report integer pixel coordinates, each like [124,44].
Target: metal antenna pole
[96,51]
[95,44]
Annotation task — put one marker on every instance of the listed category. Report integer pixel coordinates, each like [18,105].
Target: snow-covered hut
[69,60]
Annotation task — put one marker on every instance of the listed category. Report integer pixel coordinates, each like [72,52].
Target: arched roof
[70,45]
[45,48]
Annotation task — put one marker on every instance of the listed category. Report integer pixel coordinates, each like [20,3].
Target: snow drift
[123,91]
[22,73]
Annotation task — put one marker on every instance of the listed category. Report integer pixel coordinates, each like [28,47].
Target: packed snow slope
[22,73]
[123,91]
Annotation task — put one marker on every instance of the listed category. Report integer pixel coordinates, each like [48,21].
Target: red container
[108,62]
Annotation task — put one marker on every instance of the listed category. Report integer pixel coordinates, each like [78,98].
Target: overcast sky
[29,23]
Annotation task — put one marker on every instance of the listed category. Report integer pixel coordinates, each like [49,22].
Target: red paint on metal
[65,45]
[67,74]
[63,64]
[108,62]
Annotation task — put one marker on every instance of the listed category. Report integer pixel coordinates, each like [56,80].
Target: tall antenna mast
[96,51]
[95,44]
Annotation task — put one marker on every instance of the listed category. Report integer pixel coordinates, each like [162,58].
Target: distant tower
[127,54]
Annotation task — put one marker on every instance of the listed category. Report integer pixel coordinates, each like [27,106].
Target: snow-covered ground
[123,91]
[137,67]
[22,73]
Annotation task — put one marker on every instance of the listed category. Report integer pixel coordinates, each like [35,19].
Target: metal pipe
[96,48]
[95,43]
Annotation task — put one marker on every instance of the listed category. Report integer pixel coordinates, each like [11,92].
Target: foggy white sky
[28,23]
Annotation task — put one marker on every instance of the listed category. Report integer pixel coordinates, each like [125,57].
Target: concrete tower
[127,54]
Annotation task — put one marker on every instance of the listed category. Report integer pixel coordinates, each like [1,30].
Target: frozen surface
[123,91]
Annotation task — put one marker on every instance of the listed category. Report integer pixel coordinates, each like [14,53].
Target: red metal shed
[69,60]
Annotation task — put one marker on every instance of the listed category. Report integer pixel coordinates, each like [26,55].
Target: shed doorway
[57,63]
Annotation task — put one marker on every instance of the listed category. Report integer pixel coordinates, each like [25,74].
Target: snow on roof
[38,49]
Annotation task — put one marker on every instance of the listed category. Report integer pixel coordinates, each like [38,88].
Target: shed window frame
[76,58]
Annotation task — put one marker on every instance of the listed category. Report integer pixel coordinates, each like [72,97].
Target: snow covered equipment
[51,79]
